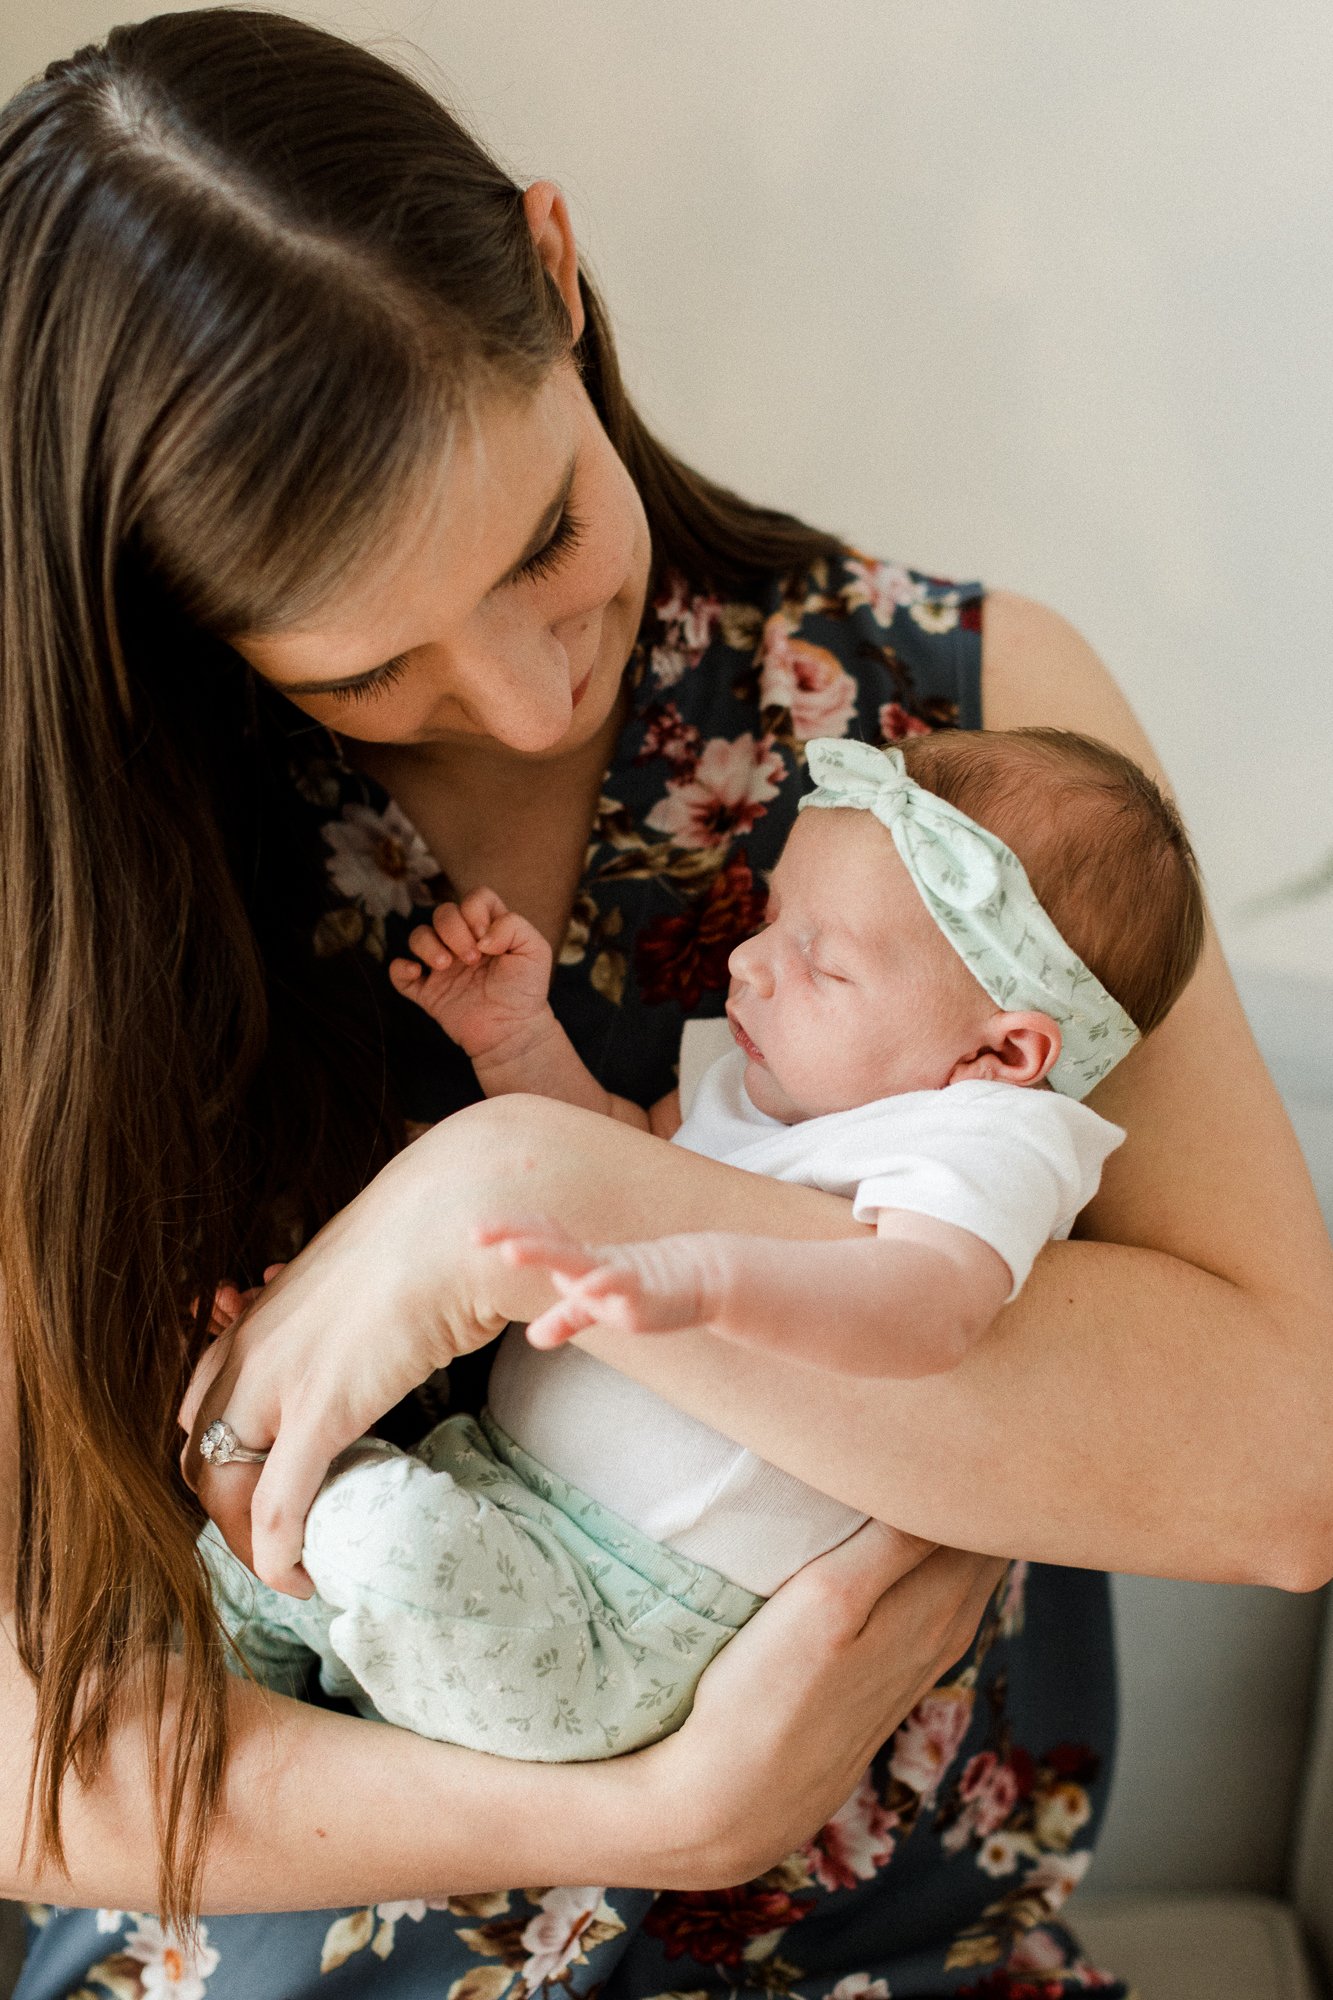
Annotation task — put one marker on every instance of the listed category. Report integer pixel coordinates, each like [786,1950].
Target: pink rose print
[927,1743]
[666,734]
[808,681]
[727,793]
[855,1843]
[895,724]
[882,586]
[989,1791]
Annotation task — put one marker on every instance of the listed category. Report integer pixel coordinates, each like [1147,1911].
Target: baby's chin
[767,1095]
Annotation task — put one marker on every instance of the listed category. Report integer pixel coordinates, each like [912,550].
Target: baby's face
[850,992]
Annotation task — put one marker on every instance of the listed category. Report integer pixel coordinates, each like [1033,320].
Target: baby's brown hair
[1104,848]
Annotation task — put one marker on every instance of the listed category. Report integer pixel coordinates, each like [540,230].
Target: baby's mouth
[755,1054]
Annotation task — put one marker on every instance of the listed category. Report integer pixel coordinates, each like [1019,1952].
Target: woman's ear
[1012,1048]
[553,235]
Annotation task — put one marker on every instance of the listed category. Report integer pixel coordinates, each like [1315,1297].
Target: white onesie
[1012,1165]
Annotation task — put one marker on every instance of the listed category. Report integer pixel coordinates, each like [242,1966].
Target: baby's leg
[470,1606]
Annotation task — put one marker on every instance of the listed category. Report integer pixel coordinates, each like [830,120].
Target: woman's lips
[755,1055]
[582,688]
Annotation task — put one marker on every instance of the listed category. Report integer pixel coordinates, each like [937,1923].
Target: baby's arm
[483,974]
[911,1300]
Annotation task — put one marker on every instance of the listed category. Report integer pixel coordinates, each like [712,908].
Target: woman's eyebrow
[541,534]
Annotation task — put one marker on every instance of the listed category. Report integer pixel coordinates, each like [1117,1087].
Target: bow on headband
[977,891]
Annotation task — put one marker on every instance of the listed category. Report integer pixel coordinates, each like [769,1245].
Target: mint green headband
[978,893]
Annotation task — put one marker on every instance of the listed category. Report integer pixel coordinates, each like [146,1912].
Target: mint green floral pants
[466,1593]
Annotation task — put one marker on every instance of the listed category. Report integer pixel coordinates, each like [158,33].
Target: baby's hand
[484,972]
[656,1287]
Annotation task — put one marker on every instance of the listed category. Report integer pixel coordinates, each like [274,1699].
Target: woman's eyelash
[562,542]
[384,677]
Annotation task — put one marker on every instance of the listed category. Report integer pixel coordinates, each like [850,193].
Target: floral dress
[945,1870]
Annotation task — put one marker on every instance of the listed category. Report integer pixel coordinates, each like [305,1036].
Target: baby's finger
[404,972]
[430,948]
[502,935]
[559,1323]
[453,931]
[480,909]
[571,1260]
[501,1228]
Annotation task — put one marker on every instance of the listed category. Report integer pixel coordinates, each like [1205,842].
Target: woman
[295,378]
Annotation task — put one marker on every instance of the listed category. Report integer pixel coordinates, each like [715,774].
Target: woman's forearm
[323,1809]
[1130,1410]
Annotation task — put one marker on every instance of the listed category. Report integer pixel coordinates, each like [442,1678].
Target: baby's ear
[1012,1048]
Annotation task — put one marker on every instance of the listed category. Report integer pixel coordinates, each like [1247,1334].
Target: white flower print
[725,795]
[112,1920]
[553,1936]
[1002,1852]
[859,1986]
[937,614]
[380,859]
[171,1969]
[882,586]
[668,664]
[1060,1813]
[1056,1876]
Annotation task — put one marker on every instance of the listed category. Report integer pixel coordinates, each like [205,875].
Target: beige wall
[1038,291]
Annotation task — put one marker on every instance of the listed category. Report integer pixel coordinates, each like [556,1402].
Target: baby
[915,1026]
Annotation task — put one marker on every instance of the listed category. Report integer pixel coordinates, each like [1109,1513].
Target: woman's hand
[390,1290]
[841,1654]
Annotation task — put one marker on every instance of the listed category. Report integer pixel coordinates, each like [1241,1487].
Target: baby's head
[853,991]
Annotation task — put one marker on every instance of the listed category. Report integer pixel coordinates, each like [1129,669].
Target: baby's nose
[749,963]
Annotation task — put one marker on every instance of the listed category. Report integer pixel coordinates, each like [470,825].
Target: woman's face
[504,612]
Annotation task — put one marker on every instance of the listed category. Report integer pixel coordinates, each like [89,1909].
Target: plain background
[1039,292]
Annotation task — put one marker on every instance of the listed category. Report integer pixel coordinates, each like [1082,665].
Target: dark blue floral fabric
[944,1872]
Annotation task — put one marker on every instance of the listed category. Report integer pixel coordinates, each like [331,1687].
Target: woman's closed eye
[558,546]
[383,677]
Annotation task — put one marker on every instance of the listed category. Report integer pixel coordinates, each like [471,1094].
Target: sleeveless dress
[944,1872]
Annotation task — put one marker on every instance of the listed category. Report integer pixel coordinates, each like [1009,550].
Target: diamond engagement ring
[220,1445]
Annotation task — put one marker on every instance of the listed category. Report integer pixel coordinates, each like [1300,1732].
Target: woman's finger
[855,1577]
[293,1473]
[210,1365]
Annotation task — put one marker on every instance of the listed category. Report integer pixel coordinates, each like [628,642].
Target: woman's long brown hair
[249,274]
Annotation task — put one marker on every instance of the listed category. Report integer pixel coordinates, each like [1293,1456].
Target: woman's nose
[521,698]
